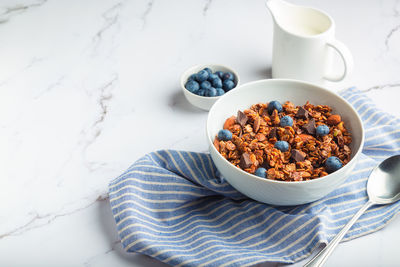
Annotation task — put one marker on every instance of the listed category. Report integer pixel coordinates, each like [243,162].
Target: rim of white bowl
[202,66]
[316,180]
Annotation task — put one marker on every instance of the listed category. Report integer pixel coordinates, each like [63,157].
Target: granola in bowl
[285,142]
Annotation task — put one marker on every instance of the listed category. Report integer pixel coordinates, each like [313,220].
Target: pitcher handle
[347,58]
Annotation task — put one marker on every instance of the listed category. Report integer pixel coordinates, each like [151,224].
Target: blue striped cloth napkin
[175,207]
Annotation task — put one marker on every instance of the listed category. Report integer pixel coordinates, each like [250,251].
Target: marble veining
[88,87]
[105,96]
[40,220]
[381,87]
[390,34]
[110,17]
[10,11]
[206,7]
[89,262]
[50,87]
[32,63]
[147,11]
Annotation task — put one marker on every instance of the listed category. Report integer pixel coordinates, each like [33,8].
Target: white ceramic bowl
[272,191]
[204,102]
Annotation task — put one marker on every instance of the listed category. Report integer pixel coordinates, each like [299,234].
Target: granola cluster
[255,132]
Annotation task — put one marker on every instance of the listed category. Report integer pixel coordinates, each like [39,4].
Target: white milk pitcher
[304,42]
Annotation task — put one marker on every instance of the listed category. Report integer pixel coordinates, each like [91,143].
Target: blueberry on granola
[333,164]
[261,172]
[295,153]
[286,121]
[282,146]
[322,130]
[224,135]
[274,105]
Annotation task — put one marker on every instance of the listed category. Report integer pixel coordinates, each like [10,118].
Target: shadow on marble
[178,101]
[109,228]
[265,72]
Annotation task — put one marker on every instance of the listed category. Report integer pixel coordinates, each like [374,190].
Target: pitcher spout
[278,8]
[298,20]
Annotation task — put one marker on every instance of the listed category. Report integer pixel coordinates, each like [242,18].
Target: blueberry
[228,76]
[209,71]
[192,77]
[322,130]
[261,172]
[202,76]
[192,86]
[282,146]
[211,91]
[201,92]
[286,121]
[227,85]
[217,83]
[220,74]
[224,135]
[205,85]
[212,76]
[220,91]
[333,164]
[274,105]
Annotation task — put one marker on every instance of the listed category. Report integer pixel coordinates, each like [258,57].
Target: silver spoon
[383,188]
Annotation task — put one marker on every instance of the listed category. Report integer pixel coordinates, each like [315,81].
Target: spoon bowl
[383,187]
[384,182]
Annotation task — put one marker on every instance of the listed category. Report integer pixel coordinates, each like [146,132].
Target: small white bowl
[204,102]
[272,191]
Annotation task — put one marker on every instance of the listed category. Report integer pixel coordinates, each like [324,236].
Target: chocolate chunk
[241,118]
[309,127]
[272,133]
[302,113]
[245,161]
[298,155]
[265,165]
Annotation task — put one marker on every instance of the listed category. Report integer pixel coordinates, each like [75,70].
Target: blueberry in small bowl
[202,85]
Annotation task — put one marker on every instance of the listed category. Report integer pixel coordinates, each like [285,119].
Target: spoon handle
[323,255]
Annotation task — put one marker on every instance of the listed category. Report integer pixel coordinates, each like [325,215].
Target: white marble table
[87,87]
